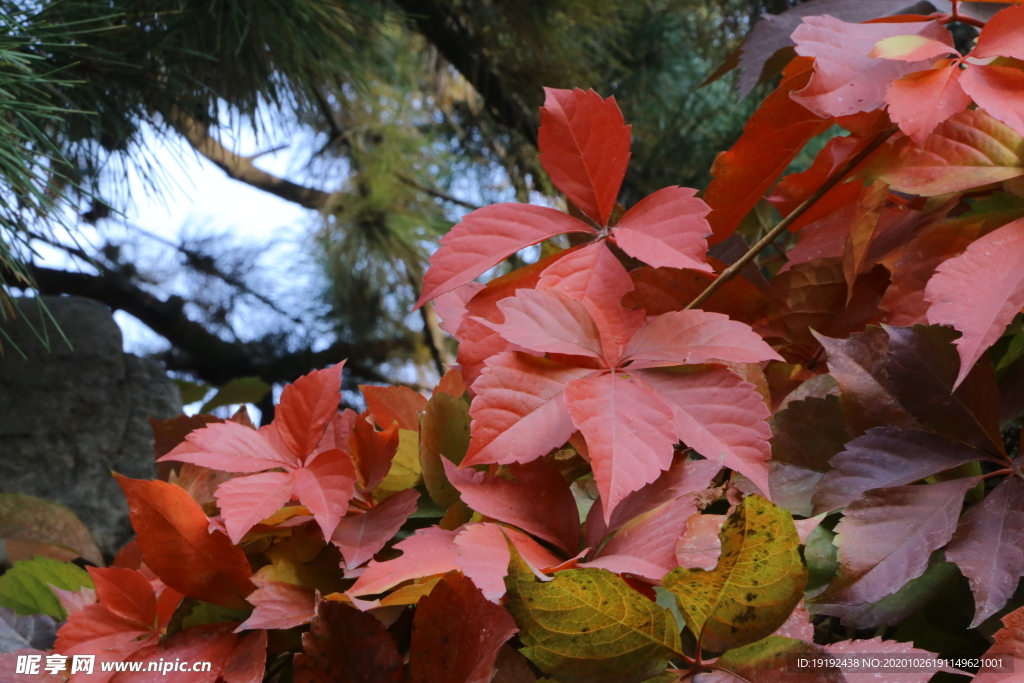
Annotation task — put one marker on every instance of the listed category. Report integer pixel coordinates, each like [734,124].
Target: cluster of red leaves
[591,361]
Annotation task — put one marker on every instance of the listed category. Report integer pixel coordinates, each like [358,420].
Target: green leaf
[759,579]
[27,518]
[821,556]
[192,392]
[768,661]
[444,432]
[209,613]
[405,467]
[589,626]
[25,587]
[238,390]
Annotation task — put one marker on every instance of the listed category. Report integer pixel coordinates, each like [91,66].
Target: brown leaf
[345,645]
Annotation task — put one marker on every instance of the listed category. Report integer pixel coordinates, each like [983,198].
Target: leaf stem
[833,180]
[970,21]
[997,473]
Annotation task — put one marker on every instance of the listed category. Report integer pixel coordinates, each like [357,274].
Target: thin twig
[434,192]
[833,180]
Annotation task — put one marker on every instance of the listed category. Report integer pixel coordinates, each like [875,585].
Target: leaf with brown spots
[767,661]
[589,626]
[456,634]
[759,579]
[345,645]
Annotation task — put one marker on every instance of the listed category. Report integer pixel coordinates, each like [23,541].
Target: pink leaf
[997,90]
[920,101]
[325,485]
[1010,644]
[798,626]
[427,552]
[652,536]
[911,49]
[451,306]
[539,501]
[483,556]
[627,564]
[679,480]
[584,147]
[488,236]
[700,546]
[693,337]
[879,646]
[74,601]
[245,501]
[306,408]
[548,322]
[846,80]
[595,276]
[339,431]
[518,413]
[717,413]
[1001,36]
[667,228]
[230,447]
[628,430]
[980,291]
[279,605]
[886,537]
[360,537]
[988,546]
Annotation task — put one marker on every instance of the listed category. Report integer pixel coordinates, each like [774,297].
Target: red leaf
[451,384]
[518,413]
[173,534]
[979,292]
[345,645]
[1001,36]
[483,555]
[207,643]
[488,236]
[548,322]
[127,593]
[667,228]
[694,337]
[967,150]
[771,139]
[360,537]
[997,90]
[594,276]
[716,413]
[846,80]
[628,430]
[456,634]
[584,147]
[451,306]
[279,605]
[325,486]
[230,447]
[427,552]
[1009,641]
[339,431]
[372,451]
[886,537]
[989,548]
[247,662]
[539,501]
[306,408]
[245,501]
[798,626]
[394,404]
[681,478]
[885,457]
[650,537]
[920,101]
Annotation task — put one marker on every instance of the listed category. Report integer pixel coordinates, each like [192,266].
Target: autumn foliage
[651,464]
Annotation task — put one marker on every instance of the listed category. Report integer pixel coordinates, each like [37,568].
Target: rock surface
[72,413]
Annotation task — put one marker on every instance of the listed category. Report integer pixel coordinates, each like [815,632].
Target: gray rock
[72,413]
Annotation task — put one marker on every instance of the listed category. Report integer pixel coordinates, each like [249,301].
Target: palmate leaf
[549,322]
[345,645]
[759,579]
[27,586]
[992,270]
[666,228]
[920,101]
[360,537]
[589,626]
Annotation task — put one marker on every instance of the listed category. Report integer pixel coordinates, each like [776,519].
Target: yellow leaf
[405,472]
[589,626]
[759,579]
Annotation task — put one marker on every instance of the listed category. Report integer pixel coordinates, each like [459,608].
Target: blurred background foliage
[406,114]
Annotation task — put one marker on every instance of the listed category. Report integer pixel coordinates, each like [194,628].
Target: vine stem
[833,180]
[970,21]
